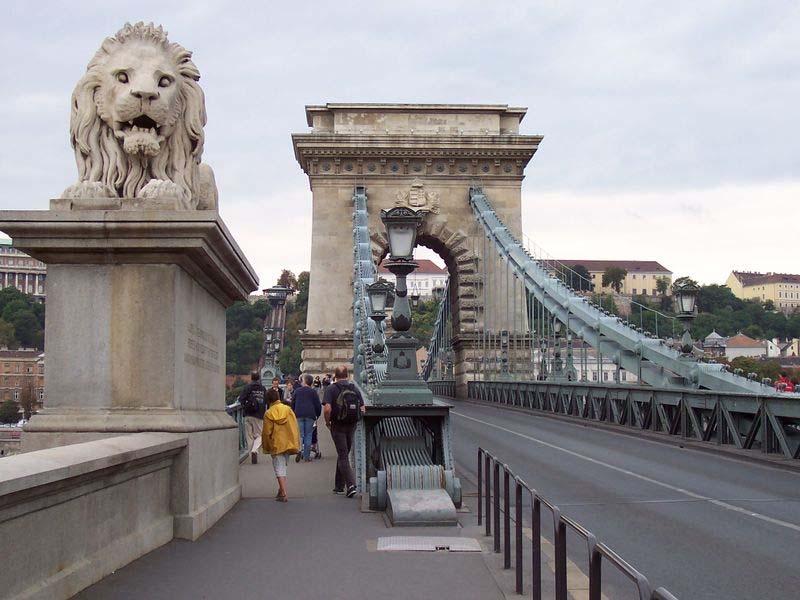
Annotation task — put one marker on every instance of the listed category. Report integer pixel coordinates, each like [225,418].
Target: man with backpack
[254,406]
[343,406]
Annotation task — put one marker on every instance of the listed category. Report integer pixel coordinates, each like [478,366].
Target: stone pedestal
[323,352]
[135,338]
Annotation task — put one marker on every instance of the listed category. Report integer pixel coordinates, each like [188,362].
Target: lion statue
[137,122]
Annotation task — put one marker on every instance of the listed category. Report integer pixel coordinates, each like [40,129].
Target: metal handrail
[438,333]
[751,422]
[655,363]
[366,363]
[236,411]
[489,498]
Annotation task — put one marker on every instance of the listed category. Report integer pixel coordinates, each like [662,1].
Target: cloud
[651,108]
[705,233]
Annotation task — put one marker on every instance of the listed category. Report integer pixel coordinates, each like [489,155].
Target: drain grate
[427,544]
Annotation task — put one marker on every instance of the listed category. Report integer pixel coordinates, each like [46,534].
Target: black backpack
[254,400]
[346,409]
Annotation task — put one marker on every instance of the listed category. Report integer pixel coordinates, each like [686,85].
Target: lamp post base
[402,385]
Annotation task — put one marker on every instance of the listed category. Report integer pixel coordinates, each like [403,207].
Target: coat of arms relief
[417,198]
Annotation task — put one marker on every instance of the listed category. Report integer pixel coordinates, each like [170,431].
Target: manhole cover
[428,544]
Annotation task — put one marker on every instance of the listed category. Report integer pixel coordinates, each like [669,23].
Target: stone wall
[69,516]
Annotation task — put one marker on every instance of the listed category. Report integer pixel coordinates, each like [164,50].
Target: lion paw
[165,189]
[88,189]
[160,188]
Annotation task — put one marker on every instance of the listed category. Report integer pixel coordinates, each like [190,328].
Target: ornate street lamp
[378,293]
[402,384]
[504,337]
[401,227]
[558,364]
[273,330]
[685,292]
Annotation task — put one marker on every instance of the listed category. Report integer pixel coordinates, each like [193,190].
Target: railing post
[506,520]
[518,533]
[488,495]
[536,547]
[560,541]
[480,485]
[496,507]
[595,569]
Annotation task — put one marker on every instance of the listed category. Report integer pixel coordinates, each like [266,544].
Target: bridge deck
[318,545]
[702,524]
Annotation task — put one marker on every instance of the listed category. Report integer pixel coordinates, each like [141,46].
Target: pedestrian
[317,382]
[289,391]
[343,405]
[252,400]
[307,409]
[279,438]
[276,385]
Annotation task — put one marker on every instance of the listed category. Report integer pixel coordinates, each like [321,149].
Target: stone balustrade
[71,515]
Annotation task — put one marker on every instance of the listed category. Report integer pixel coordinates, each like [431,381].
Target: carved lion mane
[137,122]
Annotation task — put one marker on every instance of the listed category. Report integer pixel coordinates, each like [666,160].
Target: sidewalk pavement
[317,545]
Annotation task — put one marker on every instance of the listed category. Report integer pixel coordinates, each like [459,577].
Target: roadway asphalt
[700,524]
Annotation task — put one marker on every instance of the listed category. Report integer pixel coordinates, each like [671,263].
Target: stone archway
[462,266]
[425,156]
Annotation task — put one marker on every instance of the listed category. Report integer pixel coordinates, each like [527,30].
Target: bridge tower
[425,156]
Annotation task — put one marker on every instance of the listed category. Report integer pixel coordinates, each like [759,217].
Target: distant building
[21,375]
[790,348]
[714,344]
[423,281]
[587,367]
[782,288]
[642,277]
[21,271]
[743,345]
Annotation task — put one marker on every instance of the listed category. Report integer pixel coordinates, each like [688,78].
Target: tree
[581,279]
[9,412]
[303,282]
[27,329]
[24,315]
[13,307]
[288,279]
[243,352]
[754,331]
[242,315]
[714,297]
[662,285]
[614,277]
[290,357]
[27,399]
[606,302]
[762,368]
[682,281]
[233,392]
[769,305]
[7,337]
[423,320]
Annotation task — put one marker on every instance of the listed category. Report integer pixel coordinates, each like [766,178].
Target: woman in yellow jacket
[280,438]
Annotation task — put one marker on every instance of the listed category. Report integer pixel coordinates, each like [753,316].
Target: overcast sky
[671,128]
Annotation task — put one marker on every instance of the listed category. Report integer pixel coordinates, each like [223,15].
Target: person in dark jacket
[342,433]
[254,406]
[307,408]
